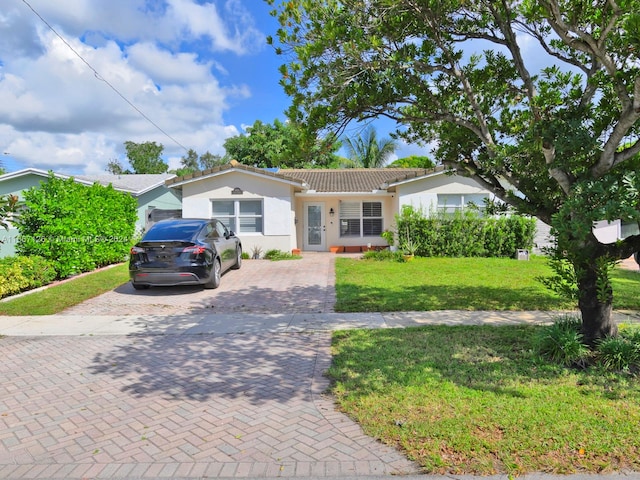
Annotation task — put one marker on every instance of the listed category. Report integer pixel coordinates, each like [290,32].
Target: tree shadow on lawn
[492,359]
[352,297]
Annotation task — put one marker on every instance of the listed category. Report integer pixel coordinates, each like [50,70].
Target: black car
[184,251]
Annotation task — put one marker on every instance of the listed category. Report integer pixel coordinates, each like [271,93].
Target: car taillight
[136,250]
[195,250]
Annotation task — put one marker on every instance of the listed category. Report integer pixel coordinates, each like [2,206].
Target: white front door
[314,227]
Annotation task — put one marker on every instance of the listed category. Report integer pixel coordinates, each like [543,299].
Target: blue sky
[199,71]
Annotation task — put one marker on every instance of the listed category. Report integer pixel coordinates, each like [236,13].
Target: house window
[451,203]
[241,216]
[360,219]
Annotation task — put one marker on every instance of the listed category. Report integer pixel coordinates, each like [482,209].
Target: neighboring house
[155,200]
[315,209]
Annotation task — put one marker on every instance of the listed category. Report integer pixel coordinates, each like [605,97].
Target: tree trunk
[597,321]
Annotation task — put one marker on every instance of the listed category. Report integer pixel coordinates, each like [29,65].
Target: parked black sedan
[184,251]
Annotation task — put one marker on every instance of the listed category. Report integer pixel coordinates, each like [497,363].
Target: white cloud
[57,113]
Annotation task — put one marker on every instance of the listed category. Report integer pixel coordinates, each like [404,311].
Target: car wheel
[138,286]
[238,263]
[215,275]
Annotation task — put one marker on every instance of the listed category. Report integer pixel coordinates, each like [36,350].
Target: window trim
[237,215]
[459,207]
[361,217]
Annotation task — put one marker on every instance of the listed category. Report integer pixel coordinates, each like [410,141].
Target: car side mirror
[231,233]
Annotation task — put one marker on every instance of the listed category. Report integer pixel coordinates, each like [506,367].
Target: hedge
[19,274]
[77,227]
[465,234]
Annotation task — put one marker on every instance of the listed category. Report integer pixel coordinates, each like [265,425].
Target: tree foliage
[191,162]
[367,151]
[281,145]
[146,157]
[413,161]
[544,94]
[8,205]
[143,157]
[76,226]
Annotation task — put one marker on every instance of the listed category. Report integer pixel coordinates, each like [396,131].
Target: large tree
[281,145]
[537,100]
[367,151]
[146,157]
[191,162]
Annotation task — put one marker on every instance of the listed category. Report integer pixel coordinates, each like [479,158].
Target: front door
[314,227]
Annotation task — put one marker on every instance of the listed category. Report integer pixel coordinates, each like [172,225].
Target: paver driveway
[185,406]
[260,286]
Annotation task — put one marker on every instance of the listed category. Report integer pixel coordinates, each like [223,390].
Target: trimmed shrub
[18,274]
[465,233]
[77,227]
[276,254]
[383,255]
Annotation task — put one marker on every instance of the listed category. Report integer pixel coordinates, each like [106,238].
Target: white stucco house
[315,209]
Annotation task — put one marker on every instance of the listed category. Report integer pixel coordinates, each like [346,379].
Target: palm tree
[366,151]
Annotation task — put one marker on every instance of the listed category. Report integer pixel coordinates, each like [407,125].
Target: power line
[100,77]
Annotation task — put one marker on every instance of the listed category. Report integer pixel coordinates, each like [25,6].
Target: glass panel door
[314,227]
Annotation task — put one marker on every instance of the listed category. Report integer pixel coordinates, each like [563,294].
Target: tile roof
[354,180]
[348,180]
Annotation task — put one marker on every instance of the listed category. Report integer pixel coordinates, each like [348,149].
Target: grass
[58,297]
[476,400]
[426,284]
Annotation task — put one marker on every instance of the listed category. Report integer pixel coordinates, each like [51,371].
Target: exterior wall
[332,230]
[423,193]
[161,198]
[277,210]
[611,232]
[15,186]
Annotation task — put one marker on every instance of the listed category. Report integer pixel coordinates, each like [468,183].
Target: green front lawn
[64,295]
[458,284]
[476,400]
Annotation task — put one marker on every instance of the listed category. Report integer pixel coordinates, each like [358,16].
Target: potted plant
[409,246]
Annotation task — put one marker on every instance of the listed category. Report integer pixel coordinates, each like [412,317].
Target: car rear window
[172,231]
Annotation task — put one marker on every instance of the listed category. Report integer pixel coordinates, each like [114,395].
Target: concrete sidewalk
[260,324]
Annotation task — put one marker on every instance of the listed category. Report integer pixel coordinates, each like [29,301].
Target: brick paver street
[186,406]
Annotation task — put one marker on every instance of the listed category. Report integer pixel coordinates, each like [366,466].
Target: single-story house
[315,209]
[155,200]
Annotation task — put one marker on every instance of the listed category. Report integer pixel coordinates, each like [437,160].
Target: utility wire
[100,77]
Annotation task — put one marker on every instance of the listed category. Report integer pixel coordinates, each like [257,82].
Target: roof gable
[233,166]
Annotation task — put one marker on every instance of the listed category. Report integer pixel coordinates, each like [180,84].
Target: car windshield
[172,231]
